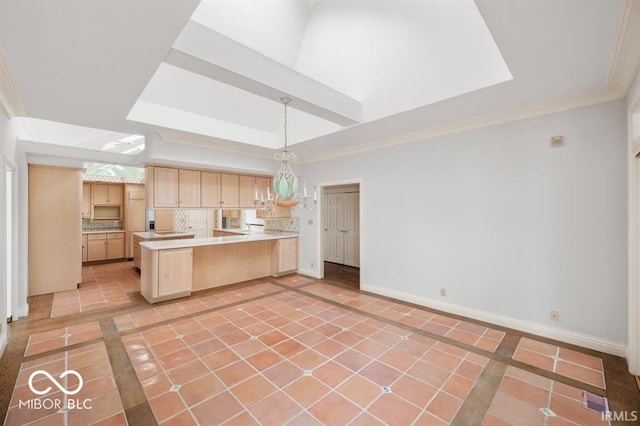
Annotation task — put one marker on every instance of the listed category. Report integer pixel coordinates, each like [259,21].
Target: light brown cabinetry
[284,258]
[175,271]
[86,200]
[97,247]
[164,220]
[166,274]
[188,188]
[137,252]
[104,194]
[246,191]
[103,246]
[85,249]
[210,189]
[55,229]
[229,185]
[115,245]
[165,187]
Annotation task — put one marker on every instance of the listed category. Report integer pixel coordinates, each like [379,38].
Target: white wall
[508,225]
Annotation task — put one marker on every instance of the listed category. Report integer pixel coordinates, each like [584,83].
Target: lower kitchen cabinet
[85,248]
[115,245]
[284,258]
[175,271]
[105,246]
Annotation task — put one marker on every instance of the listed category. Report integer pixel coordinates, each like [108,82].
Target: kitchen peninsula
[174,268]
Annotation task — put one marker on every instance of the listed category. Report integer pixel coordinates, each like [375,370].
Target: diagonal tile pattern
[318,353]
[306,356]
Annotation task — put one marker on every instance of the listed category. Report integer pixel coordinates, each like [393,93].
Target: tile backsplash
[282,224]
[100,225]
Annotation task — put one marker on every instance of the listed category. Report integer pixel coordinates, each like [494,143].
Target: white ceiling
[359,71]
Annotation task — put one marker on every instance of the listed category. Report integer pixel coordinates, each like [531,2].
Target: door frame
[320,221]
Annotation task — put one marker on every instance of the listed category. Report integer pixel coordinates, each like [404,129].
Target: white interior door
[352,229]
[197,223]
[334,227]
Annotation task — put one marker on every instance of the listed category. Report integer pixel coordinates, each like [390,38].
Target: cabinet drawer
[96,236]
[115,236]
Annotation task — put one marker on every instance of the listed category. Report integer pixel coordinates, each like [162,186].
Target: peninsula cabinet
[176,188]
[167,274]
[284,257]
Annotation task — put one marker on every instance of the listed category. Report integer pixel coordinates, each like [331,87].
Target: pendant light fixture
[285,182]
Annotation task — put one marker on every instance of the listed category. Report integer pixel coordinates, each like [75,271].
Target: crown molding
[9,99]
[626,58]
[211,143]
[488,120]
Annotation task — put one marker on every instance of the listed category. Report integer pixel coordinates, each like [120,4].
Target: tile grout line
[491,355]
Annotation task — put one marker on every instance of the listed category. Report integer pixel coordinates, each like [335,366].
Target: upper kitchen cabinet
[104,194]
[229,185]
[247,191]
[172,188]
[210,189]
[164,185]
[188,188]
[86,200]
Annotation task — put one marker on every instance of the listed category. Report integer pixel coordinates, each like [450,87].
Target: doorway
[341,233]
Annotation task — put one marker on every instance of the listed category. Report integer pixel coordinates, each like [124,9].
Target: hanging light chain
[285,100]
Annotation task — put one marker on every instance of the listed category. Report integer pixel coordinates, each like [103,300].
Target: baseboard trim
[310,273]
[23,311]
[561,335]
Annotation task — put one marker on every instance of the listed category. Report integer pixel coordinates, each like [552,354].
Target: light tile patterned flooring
[98,390]
[522,396]
[62,337]
[102,286]
[582,367]
[296,351]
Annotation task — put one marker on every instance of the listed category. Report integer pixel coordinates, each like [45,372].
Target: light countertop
[200,242]
[149,236]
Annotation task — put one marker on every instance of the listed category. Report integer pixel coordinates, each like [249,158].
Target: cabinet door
[229,190]
[175,271]
[137,252]
[115,246]
[210,189]
[99,194]
[247,191]
[164,220]
[97,247]
[86,200]
[165,187]
[189,188]
[287,254]
[115,194]
[85,249]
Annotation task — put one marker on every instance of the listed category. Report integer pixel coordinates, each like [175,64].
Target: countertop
[240,231]
[199,242]
[108,231]
[162,236]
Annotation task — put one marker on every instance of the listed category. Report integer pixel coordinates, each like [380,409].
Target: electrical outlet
[555,316]
[443,292]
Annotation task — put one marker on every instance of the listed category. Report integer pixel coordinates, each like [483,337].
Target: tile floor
[102,286]
[98,394]
[582,367]
[295,350]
